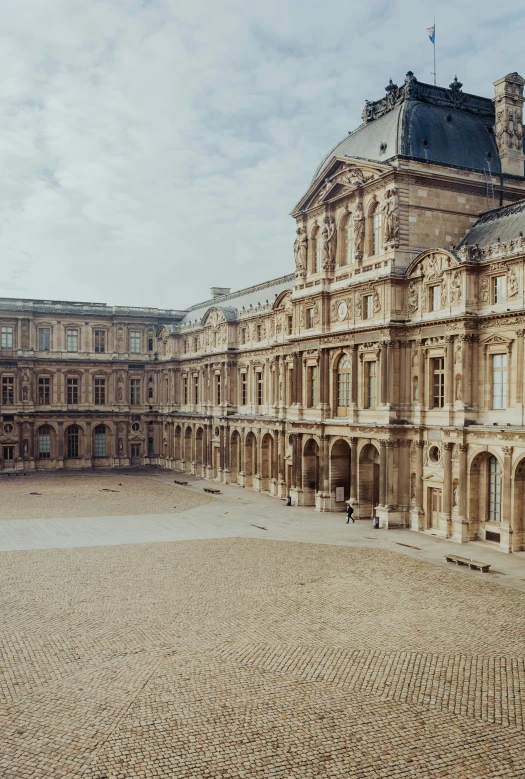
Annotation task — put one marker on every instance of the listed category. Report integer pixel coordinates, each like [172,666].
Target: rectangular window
[309,318]
[44,339]
[135,341]
[318,251]
[312,386]
[290,324]
[150,344]
[243,335]
[435,297]
[185,346]
[196,390]
[134,394]
[218,388]
[499,381]
[72,340]
[72,391]
[244,389]
[9,452]
[150,393]
[371,385]
[135,450]
[195,344]
[259,332]
[7,337]
[368,307]
[100,392]
[185,390]
[44,390]
[100,341]
[260,393]
[438,382]
[8,390]
[499,289]
[44,444]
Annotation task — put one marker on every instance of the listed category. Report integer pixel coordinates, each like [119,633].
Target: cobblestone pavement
[239,657]
[47,495]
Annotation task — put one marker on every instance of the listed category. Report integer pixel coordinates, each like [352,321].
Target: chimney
[218,292]
[509,123]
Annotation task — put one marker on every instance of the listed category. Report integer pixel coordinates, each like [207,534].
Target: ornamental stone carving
[512,283]
[455,287]
[359,232]
[391,211]
[329,242]
[413,297]
[300,252]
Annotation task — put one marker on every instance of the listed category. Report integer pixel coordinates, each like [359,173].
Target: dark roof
[497,226]
[426,122]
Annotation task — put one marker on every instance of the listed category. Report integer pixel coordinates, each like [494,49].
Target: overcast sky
[152,149]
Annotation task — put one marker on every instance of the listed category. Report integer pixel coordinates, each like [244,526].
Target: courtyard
[155,631]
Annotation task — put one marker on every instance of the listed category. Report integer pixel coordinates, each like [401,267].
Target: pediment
[496,338]
[342,177]
[284,300]
[431,264]
[213,317]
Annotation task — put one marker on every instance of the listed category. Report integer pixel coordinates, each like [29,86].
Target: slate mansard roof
[497,226]
[260,295]
[425,122]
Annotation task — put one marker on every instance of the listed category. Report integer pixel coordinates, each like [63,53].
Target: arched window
[349,246]
[377,230]
[72,440]
[344,384]
[317,245]
[99,449]
[494,490]
[44,442]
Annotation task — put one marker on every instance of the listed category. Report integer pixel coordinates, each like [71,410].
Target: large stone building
[388,370]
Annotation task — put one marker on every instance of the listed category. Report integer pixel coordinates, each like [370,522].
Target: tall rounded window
[72,441]
[494,490]
[344,384]
[349,241]
[377,230]
[44,442]
[99,449]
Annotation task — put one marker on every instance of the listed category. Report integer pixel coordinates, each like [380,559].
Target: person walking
[349,514]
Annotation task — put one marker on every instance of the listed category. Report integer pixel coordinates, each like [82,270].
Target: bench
[452,558]
[184,483]
[212,490]
[13,473]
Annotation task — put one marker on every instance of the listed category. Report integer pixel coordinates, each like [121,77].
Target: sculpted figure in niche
[457,354]
[328,236]
[415,389]
[455,287]
[512,283]
[359,232]
[459,388]
[377,302]
[413,297]
[391,218]
[300,250]
[484,290]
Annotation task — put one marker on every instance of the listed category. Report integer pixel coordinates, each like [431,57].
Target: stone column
[506,502]
[449,372]
[227,455]
[417,517]
[353,476]
[297,471]
[323,498]
[519,372]
[88,445]
[241,476]
[447,487]
[282,464]
[382,473]
[383,367]
[460,522]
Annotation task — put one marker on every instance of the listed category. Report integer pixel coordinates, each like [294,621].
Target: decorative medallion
[342,310]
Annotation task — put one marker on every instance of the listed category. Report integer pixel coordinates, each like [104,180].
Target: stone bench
[473,564]
[184,483]
[212,490]
[13,473]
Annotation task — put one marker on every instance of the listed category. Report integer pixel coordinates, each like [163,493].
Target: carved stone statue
[484,290]
[300,250]
[512,283]
[328,236]
[391,212]
[359,232]
[413,297]
[459,388]
[455,287]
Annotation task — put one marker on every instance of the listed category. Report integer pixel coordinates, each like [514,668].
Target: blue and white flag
[432,34]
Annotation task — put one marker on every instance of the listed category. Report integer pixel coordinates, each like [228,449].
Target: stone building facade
[387,370]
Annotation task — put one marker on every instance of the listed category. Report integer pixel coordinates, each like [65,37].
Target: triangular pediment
[496,338]
[343,176]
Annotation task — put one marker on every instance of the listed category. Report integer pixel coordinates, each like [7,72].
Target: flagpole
[435,81]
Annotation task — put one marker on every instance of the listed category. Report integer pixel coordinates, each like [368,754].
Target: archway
[178,447]
[187,449]
[73,448]
[518,516]
[368,482]
[340,474]
[235,453]
[310,472]
[250,459]
[100,442]
[266,461]
[485,498]
[199,452]
[45,443]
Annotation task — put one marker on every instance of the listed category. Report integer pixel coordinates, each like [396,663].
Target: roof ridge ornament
[455,93]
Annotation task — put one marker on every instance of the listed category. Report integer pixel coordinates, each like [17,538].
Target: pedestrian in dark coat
[349,514]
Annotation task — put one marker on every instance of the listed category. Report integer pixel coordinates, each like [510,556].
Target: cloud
[153,149]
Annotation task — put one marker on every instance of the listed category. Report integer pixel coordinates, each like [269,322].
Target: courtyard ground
[250,640]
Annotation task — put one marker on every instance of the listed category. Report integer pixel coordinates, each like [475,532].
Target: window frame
[44,453]
[72,339]
[42,386]
[135,391]
[99,390]
[135,337]
[438,382]
[72,390]
[8,390]
[502,372]
[7,337]
[498,280]
[43,333]
[368,306]
[343,384]
[495,485]
[99,335]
